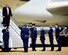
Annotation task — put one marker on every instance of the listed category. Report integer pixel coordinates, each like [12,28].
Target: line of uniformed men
[25,32]
[33,34]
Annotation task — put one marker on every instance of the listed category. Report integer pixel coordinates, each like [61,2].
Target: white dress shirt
[7,10]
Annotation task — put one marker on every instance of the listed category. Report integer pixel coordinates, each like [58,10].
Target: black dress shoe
[34,50]
[43,50]
[58,50]
[52,49]
[25,51]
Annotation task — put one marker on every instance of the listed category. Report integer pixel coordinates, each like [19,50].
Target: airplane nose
[59,7]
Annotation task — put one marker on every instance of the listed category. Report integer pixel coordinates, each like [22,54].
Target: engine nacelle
[58,7]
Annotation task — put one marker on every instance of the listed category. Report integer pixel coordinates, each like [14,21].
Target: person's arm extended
[3,13]
[21,34]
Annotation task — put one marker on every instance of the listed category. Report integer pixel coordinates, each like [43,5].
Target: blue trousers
[59,43]
[25,44]
[33,40]
[51,43]
[43,43]
[6,42]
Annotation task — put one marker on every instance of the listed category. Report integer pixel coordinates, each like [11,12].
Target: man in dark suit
[51,37]
[57,34]
[42,37]
[7,13]
[5,32]
[33,36]
[25,37]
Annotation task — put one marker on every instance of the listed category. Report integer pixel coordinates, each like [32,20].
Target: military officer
[42,37]
[51,37]
[25,37]
[33,36]
[5,32]
[57,34]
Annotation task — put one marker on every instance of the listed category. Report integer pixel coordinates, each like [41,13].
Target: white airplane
[34,8]
[53,11]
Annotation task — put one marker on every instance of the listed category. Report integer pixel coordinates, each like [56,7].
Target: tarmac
[19,51]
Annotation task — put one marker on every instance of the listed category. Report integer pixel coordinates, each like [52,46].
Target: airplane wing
[34,8]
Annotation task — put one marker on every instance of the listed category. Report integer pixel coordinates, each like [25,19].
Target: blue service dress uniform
[6,39]
[42,38]
[33,37]
[57,34]
[25,38]
[51,38]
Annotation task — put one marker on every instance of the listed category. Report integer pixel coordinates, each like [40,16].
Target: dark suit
[5,39]
[51,38]
[57,34]
[33,37]
[42,38]
[25,37]
[6,19]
